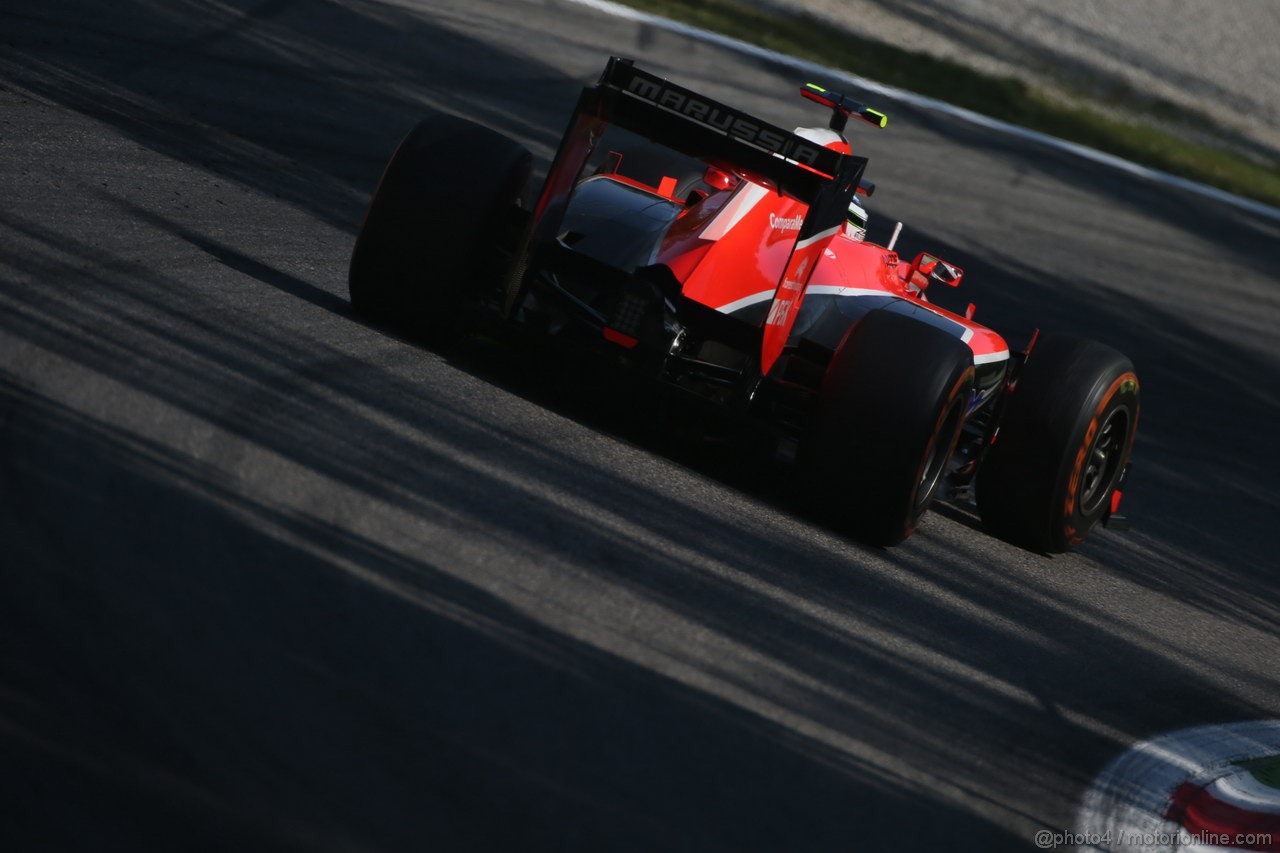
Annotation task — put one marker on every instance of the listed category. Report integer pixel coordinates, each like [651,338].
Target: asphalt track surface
[276,579]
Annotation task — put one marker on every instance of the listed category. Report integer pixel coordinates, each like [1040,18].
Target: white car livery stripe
[816,290]
[746,301]
[809,241]
[733,212]
[836,290]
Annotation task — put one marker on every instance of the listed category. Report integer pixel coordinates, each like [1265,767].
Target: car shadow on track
[277,590]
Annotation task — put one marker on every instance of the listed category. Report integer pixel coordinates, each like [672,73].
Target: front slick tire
[1064,441]
[439,226]
[889,415]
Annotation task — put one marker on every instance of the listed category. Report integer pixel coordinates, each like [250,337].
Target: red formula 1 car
[725,257]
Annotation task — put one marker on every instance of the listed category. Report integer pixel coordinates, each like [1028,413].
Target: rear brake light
[613,336]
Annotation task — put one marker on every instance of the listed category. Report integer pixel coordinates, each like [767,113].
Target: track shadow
[316,597]
[851,650]
[233,674]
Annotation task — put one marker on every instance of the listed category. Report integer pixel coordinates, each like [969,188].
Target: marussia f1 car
[726,258]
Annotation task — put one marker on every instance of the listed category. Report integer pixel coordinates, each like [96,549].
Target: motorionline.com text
[1047,840]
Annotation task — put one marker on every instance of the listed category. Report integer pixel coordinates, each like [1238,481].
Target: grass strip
[1266,769]
[1002,98]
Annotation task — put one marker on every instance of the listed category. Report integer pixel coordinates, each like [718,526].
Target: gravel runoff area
[1216,58]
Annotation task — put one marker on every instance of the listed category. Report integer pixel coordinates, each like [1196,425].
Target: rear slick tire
[436,230]
[1064,441]
[889,415]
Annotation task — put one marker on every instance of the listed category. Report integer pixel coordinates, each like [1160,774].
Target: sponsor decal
[786,299]
[785,223]
[735,124]
[778,313]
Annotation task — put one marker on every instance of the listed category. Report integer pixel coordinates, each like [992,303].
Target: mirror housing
[719,179]
[927,269]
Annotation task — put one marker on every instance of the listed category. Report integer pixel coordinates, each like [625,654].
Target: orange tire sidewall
[1126,383]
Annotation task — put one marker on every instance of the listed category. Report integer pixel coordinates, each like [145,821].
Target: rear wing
[701,127]
[685,121]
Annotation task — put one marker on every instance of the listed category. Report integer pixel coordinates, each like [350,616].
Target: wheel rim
[931,473]
[1102,461]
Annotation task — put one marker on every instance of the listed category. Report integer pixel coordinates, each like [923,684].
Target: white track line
[912,98]
[1124,809]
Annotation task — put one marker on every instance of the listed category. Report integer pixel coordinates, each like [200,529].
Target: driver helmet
[855,223]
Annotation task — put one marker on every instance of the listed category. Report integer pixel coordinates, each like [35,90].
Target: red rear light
[615,337]
[719,179]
